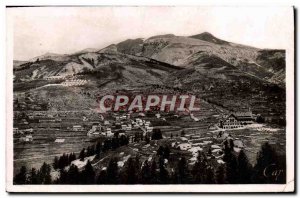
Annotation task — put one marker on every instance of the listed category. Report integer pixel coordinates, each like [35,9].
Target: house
[77,128]
[237,120]
[184,146]
[123,126]
[27,138]
[149,129]
[109,133]
[15,130]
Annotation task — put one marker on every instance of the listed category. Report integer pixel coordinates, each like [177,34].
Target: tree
[131,172]
[231,166]
[209,152]
[153,172]
[156,134]
[21,177]
[268,160]
[210,175]
[147,139]
[199,169]
[163,173]
[63,177]
[98,150]
[45,174]
[33,178]
[55,163]
[72,157]
[73,175]
[146,173]
[106,145]
[113,172]
[115,143]
[260,119]
[160,151]
[82,155]
[182,134]
[123,140]
[220,175]
[181,171]
[88,174]
[244,168]
[166,153]
[102,177]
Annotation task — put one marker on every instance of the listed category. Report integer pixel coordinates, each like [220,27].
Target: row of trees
[41,176]
[63,161]
[163,169]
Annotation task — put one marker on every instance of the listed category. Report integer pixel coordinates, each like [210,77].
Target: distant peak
[206,36]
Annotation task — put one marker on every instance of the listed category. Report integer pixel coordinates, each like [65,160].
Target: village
[43,135]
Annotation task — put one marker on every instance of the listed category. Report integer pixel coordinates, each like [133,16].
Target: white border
[289,187]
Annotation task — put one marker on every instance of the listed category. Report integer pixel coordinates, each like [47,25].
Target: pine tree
[268,158]
[45,174]
[220,175]
[166,153]
[182,134]
[21,177]
[156,134]
[163,173]
[244,169]
[130,172]
[63,177]
[146,173]
[160,151]
[56,162]
[210,175]
[112,172]
[153,172]
[33,178]
[88,151]
[82,155]
[231,167]
[102,177]
[98,150]
[199,169]
[73,175]
[88,174]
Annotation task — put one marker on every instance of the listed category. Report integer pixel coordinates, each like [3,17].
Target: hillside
[182,51]
[222,73]
[99,68]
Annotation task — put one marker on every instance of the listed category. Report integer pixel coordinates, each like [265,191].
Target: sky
[64,30]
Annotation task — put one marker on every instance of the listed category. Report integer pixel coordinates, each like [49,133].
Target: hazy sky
[67,30]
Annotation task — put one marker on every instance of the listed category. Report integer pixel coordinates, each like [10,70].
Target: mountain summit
[206,36]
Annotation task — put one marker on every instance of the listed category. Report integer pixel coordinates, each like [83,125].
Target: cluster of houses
[97,130]
[27,103]
[143,124]
[134,124]
[121,124]
[74,82]
[55,77]
[23,135]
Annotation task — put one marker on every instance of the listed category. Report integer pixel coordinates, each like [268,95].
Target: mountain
[100,67]
[225,74]
[182,51]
